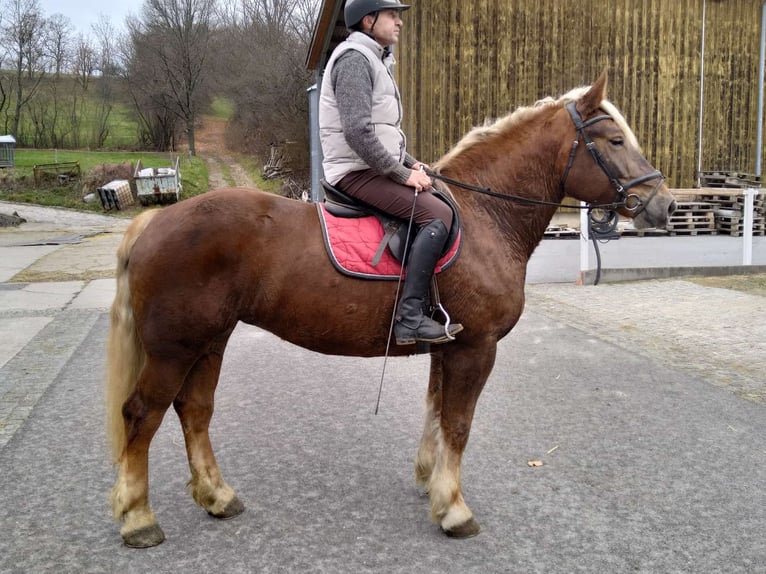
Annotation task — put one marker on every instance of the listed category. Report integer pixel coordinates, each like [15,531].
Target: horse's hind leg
[194,405]
[465,370]
[143,412]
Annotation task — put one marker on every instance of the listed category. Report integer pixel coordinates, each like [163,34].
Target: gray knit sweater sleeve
[352,82]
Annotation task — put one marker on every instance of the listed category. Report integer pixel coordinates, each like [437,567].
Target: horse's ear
[592,99]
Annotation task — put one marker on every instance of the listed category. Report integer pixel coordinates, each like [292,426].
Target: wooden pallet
[730,199]
[651,232]
[706,231]
[735,225]
[736,202]
[729,179]
[693,218]
[692,212]
[694,206]
[560,232]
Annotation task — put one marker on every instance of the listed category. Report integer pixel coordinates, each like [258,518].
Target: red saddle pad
[353,242]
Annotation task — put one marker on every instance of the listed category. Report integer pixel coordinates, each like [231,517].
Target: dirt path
[224,170]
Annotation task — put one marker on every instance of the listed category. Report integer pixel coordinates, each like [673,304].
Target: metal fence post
[315,146]
[747,231]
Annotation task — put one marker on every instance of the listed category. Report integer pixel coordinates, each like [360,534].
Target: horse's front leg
[424,462]
[194,406]
[464,371]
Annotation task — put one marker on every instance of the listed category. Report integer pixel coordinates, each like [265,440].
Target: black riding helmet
[357,9]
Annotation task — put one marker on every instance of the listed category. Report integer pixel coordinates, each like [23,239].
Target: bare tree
[83,62]
[173,39]
[57,42]
[268,80]
[147,89]
[107,40]
[304,19]
[5,79]
[273,16]
[22,33]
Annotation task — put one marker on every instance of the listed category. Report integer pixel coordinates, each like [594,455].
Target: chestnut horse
[188,273]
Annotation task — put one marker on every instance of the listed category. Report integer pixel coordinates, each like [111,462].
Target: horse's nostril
[671,207]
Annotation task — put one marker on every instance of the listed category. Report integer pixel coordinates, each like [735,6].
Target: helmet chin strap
[372,35]
[375,21]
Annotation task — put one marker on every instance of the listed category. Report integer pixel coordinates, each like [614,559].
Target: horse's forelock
[621,122]
[608,107]
[500,126]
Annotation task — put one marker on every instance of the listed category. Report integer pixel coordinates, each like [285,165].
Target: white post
[747,231]
[584,242]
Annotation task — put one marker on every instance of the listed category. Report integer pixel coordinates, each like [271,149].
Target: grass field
[17,184]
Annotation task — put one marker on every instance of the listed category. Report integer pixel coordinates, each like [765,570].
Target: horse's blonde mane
[502,125]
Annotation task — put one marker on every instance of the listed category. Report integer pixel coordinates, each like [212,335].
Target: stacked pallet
[729,180]
[727,207]
[561,232]
[692,218]
[626,229]
[730,213]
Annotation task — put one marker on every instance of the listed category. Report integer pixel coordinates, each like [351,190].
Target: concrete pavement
[645,401]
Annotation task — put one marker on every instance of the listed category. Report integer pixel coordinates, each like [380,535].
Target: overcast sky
[83,13]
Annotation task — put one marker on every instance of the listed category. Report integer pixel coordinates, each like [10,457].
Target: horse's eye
[617,142]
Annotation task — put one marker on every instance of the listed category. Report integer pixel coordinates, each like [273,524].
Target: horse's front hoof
[468,529]
[144,537]
[234,508]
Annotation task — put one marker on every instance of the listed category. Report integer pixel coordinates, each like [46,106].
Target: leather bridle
[629,201]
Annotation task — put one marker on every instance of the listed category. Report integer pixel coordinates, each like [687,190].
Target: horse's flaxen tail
[124,351]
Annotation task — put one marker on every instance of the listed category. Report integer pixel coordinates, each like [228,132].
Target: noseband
[630,201]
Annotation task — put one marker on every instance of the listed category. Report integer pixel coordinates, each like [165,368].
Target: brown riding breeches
[382,193]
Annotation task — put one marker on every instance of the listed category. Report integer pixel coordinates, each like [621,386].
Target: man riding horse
[365,155]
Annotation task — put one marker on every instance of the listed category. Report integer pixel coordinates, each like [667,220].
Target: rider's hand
[419,179]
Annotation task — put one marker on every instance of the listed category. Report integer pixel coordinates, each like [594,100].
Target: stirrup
[439,308]
[436,306]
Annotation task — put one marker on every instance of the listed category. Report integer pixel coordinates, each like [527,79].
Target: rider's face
[387,27]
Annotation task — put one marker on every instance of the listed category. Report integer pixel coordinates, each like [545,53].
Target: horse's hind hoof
[144,537]
[468,529]
[234,508]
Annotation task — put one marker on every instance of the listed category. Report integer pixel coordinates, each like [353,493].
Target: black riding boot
[411,324]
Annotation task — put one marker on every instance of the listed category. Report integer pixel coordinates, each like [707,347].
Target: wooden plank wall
[461,63]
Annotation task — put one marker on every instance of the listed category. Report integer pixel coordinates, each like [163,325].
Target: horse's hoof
[468,529]
[234,508]
[145,537]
